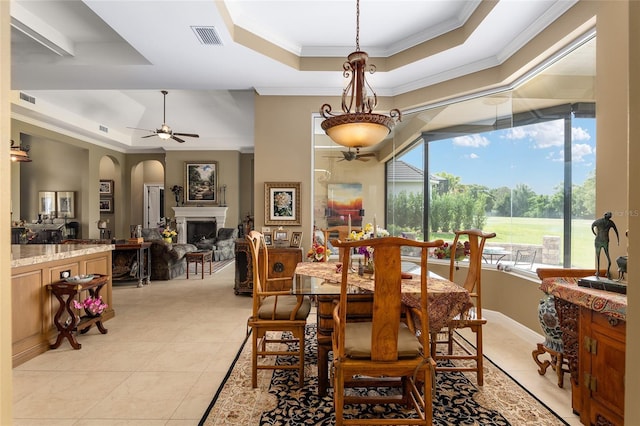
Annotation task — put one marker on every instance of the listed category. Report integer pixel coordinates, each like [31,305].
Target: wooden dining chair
[336,232]
[384,346]
[472,316]
[274,310]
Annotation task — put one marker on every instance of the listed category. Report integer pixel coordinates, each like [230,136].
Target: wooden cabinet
[601,368]
[34,307]
[594,339]
[282,263]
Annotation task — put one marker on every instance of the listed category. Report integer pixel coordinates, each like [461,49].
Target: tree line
[455,205]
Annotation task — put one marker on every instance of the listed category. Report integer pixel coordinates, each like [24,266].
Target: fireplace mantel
[184,214]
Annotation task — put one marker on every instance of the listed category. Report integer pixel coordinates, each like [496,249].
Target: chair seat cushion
[284,307]
[357,341]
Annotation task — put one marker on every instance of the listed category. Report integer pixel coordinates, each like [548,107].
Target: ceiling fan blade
[367,154]
[148,136]
[138,128]
[177,139]
[191,135]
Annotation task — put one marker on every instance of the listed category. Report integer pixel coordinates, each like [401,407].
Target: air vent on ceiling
[207,35]
[27,98]
[104,129]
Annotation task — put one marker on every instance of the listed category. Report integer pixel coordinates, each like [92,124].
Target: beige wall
[6,394]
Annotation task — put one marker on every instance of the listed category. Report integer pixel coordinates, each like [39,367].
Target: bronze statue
[600,228]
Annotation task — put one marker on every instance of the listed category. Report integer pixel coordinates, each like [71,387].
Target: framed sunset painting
[344,199]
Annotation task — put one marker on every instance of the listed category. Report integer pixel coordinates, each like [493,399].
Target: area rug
[221,264]
[279,401]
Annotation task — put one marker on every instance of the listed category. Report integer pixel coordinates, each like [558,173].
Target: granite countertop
[32,254]
[605,302]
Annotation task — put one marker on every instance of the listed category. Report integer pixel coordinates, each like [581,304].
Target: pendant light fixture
[20,153]
[358,126]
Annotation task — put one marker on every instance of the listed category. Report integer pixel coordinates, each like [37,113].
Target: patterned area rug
[279,401]
[220,265]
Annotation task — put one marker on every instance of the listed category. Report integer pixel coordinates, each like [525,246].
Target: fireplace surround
[188,214]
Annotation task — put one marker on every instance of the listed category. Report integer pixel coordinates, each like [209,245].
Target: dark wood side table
[282,263]
[200,257]
[66,293]
[136,255]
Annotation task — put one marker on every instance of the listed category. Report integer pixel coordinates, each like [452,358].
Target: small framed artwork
[296,239]
[47,202]
[106,187]
[282,203]
[201,182]
[65,201]
[268,238]
[281,235]
[106,205]
[265,229]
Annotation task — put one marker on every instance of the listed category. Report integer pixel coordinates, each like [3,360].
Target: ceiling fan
[351,155]
[165,132]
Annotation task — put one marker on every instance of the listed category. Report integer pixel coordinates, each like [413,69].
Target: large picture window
[529,180]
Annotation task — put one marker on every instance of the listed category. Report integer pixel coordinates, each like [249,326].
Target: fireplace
[198,230]
[197,214]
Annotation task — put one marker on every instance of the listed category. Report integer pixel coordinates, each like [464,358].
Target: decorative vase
[168,240]
[550,323]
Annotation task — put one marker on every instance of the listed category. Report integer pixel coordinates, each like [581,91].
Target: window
[509,177]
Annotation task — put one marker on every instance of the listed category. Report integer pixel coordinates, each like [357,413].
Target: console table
[593,324]
[66,293]
[282,263]
[135,260]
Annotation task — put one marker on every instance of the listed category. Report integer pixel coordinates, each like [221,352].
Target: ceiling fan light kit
[361,127]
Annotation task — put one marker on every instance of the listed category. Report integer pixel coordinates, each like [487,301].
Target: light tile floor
[169,348]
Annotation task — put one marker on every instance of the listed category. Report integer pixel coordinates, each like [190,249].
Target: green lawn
[531,230]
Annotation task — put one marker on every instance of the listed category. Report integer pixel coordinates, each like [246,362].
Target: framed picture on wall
[201,182]
[106,187]
[65,201]
[106,205]
[46,202]
[268,238]
[282,203]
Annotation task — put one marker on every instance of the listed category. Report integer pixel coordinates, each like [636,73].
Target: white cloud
[474,141]
[547,135]
[472,156]
[580,134]
[579,151]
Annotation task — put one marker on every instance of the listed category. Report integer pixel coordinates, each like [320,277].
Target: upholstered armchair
[223,246]
[167,259]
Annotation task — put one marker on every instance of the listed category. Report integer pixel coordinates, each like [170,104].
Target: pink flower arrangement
[93,306]
[460,252]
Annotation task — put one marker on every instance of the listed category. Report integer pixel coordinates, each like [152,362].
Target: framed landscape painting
[201,182]
[282,203]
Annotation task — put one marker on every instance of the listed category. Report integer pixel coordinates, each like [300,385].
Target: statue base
[603,283]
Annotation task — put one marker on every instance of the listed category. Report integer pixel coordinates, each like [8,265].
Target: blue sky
[531,155]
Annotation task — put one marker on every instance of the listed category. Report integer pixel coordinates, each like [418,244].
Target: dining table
[323,280]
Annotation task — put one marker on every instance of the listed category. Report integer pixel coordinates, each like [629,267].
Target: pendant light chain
[358,25]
